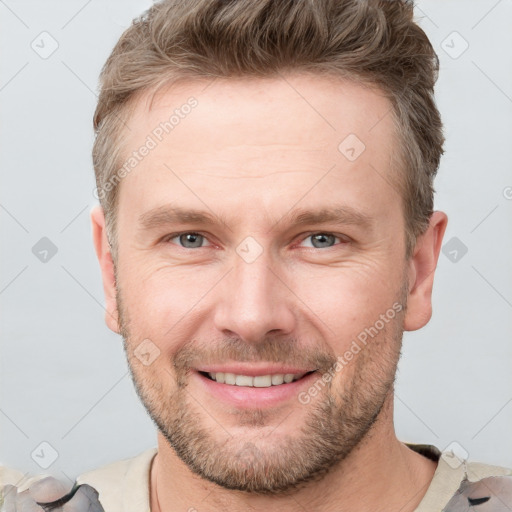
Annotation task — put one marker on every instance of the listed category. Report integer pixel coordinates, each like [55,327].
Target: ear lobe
[104,256]
[422,267]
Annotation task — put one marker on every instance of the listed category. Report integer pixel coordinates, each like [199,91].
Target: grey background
[64,380]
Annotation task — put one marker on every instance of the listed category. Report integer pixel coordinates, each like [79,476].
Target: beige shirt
[457,484]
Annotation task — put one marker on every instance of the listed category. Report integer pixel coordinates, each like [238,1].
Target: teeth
[244,380]
[277,379]
[261,381]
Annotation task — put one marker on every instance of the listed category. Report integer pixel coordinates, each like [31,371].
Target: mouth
[258,381]
[270,387]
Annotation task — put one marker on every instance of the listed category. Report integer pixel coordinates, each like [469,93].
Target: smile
[260,381]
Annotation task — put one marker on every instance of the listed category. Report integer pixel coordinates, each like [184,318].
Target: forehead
[225,139]
[255,110]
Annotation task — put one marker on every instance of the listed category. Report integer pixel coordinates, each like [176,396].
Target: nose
[254,301]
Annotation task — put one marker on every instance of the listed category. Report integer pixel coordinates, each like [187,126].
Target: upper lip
[254,370]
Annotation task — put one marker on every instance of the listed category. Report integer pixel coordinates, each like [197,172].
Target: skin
[252,152]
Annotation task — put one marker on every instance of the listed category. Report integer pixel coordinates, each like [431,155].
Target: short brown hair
[373,42]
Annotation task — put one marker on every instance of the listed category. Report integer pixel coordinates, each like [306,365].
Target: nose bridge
[253,299]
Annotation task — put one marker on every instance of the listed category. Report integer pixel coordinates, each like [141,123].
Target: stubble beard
[336,422]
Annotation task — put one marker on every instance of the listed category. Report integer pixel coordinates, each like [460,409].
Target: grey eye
[322,240]
[191,240]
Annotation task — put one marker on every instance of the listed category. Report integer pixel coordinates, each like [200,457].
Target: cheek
[166,303]
[342,302]
[162,300]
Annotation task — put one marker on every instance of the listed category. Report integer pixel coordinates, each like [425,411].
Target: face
[262,240]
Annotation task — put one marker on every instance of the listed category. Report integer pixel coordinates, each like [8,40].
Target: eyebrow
[168,215]
[337,215]
[165,215]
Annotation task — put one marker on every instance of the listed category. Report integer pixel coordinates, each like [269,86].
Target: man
[266,234]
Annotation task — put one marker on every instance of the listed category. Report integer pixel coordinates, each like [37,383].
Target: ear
[104,255]
[421,269]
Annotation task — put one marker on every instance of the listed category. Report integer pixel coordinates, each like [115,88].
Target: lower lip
[251,397]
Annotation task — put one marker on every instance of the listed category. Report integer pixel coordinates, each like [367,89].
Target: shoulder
[483,483]
[123,485]
[10,476]
[479,470]
[14,480]
[460,485]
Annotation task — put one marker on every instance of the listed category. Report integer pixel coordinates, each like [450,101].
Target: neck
[380,474]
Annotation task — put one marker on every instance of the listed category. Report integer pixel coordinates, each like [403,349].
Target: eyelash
[341,238]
